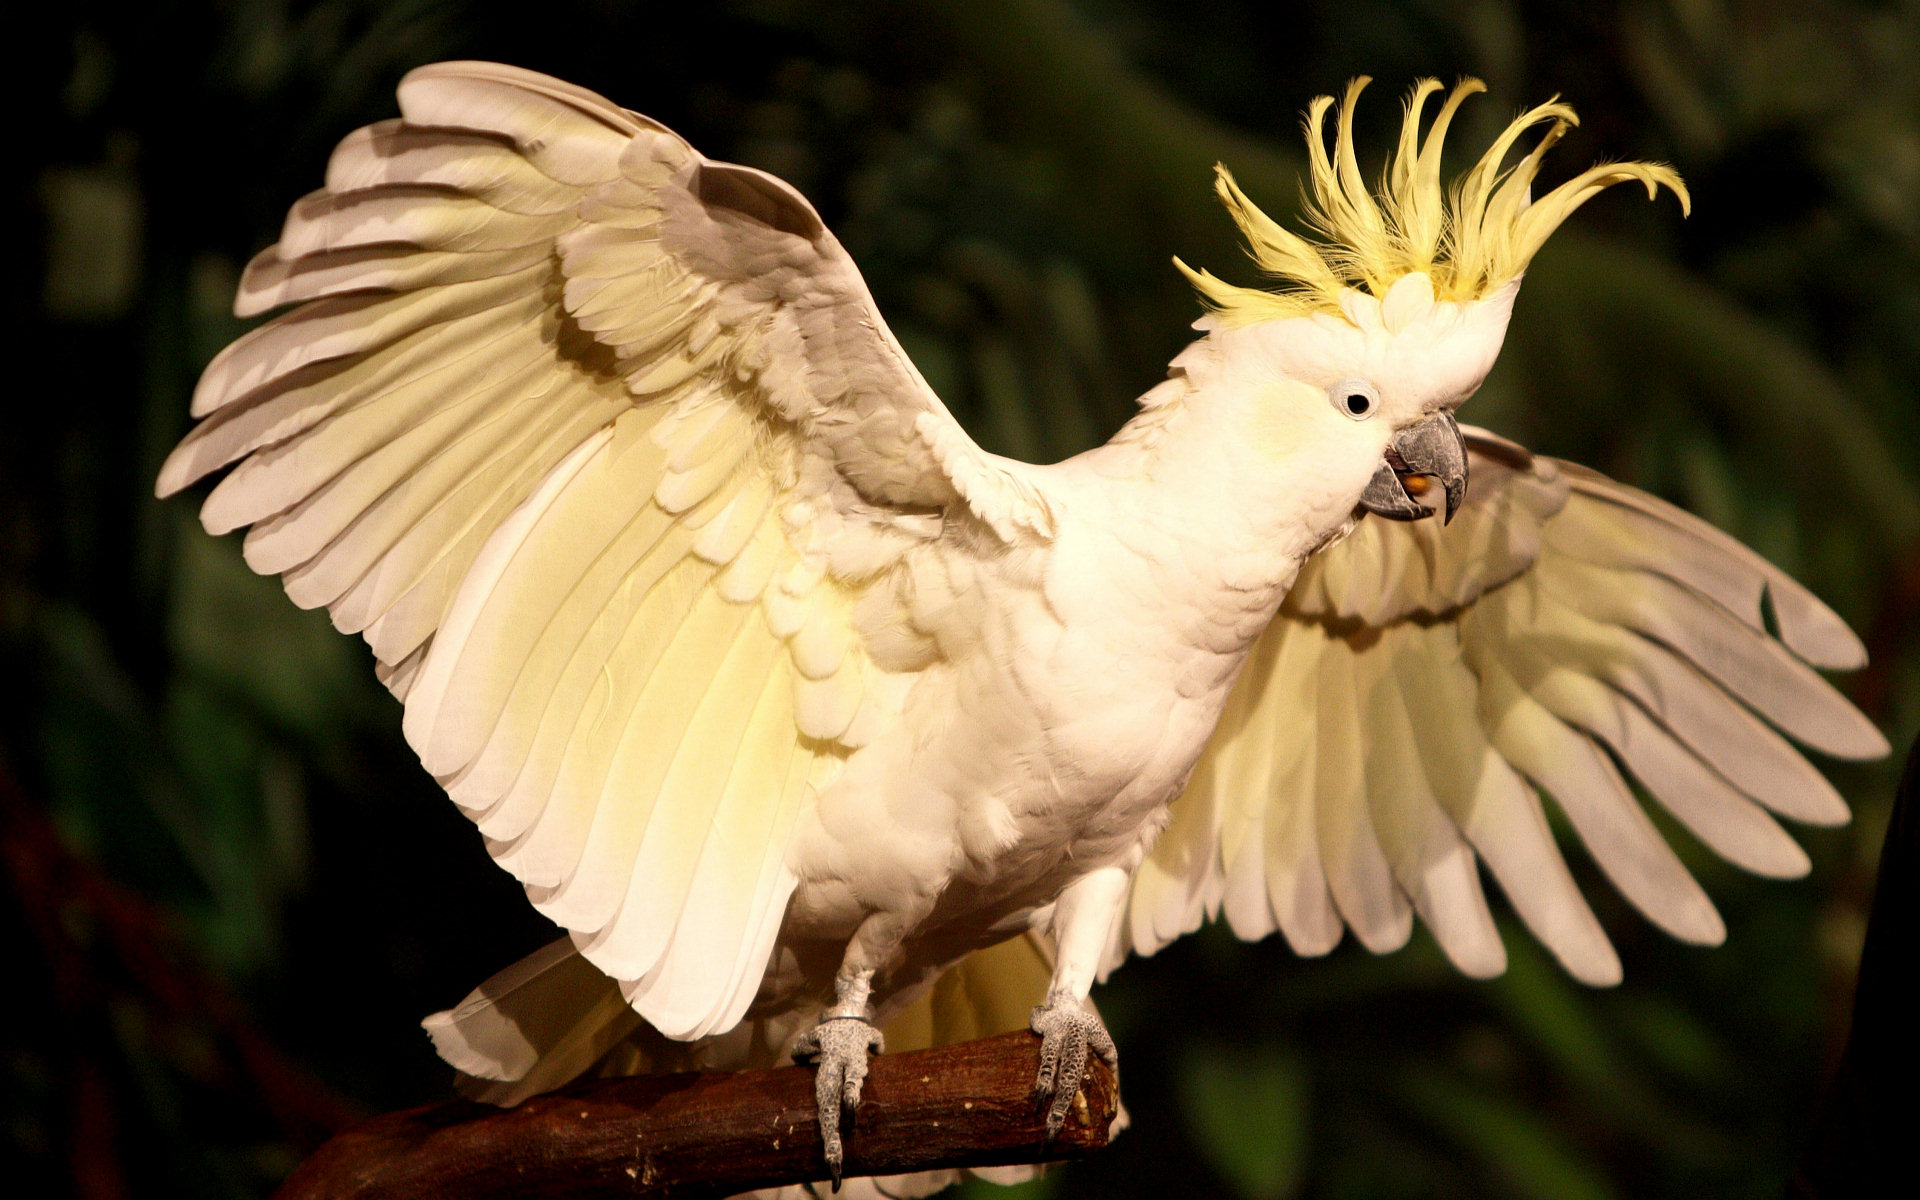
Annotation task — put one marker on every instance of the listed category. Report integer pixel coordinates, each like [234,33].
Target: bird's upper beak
[1420,455]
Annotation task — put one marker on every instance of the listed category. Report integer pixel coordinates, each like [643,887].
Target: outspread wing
[1564,633]
[598,443]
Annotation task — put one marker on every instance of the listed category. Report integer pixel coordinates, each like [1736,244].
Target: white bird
[803,715]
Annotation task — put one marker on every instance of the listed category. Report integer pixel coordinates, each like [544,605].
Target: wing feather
[1296,883]
[487,168]
[1641,530]
[417,550]
[1495,811]
[1720,729]
[600,445]
[1743,660]
[550,850]
[1419,684]
[344,326]
[353,465]
[678,756]
[723,881]
[271,281]
[568,671]
[1358,874]
[1431,862]
[304,397]
[426,218]
[590,542]
[1578,774]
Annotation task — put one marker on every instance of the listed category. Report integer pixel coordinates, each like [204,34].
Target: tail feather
[543,1021]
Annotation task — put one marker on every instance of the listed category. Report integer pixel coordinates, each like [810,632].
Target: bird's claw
[840,1045]
[1068,1031]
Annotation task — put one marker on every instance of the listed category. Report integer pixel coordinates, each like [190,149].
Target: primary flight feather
[802,714]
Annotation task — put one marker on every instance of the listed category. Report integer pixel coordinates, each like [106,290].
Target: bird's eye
[1355,398]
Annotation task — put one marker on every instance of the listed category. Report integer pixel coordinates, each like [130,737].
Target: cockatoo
[805,716]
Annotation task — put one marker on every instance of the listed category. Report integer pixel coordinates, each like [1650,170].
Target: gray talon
[1068,1032]
[840,1044]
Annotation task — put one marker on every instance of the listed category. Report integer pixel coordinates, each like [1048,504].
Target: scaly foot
[840,1043]
[1069,1031]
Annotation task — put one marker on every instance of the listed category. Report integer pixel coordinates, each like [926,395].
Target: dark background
[229,893]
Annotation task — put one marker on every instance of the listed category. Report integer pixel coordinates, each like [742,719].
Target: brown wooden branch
[710,1133]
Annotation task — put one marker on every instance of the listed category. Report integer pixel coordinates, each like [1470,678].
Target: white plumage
[776,691]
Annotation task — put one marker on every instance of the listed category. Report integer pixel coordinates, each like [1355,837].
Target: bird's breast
[1118,672]
[1082,692]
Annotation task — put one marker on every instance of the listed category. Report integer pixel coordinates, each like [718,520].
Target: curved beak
[1421,455]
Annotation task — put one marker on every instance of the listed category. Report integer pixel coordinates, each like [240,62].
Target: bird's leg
[845,1035]
[840,1044]
[1082,923]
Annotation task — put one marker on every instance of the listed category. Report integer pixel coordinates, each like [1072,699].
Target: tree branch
[710,1133]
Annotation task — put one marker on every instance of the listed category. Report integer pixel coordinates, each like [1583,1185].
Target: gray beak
[1419,456]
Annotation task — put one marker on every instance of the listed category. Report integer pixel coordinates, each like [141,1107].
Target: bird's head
[1376,331]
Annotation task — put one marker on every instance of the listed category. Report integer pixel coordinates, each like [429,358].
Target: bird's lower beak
[1419,457]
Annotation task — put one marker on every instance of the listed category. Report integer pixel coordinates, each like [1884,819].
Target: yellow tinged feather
[295,403]
[726,535]
[423,564]
[1470,243]
[697,431]
[691,702]
[424,705]
[1748,664]
[598,530]
[570,140]
[446,503]
[696,975]
[1296,884]
[270,281]
[343,326]
[1357,872]
[820,646]
[745,578]
[1740,746]
[689,774]
[679,491]
[640,306]
[324,223]
[989,992]
[785,611]
[1434,866]
[1498,814]
[1730,824]
[672,624]
[584,644]
[398,678]
[1618,524]
[804,772]
[1166,900]
[824,708]
[388,154]
[355,461]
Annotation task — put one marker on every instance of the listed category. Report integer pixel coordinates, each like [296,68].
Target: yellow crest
[1469,240]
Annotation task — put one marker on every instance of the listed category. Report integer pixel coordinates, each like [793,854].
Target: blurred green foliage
[1013,176]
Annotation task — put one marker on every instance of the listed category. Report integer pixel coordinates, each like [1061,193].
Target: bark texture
[710,1133]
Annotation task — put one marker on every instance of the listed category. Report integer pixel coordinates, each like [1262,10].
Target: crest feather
[1470,240]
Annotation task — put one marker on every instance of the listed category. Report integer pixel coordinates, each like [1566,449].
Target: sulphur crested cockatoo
[803,716]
